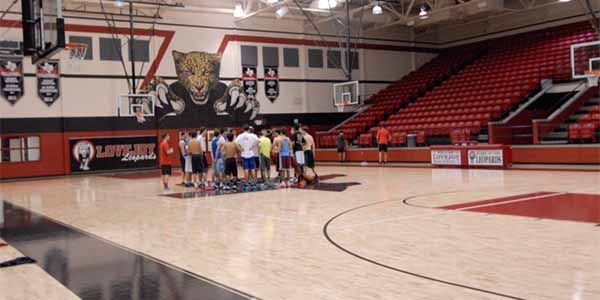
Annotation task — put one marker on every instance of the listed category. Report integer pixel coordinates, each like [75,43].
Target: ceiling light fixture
[120,3]
[238,11]
[272,1]
[423,14]
[377,10]
[282,11]
[327,4]
[564,1]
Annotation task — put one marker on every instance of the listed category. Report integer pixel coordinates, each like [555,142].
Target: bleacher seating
[493,84]
[586,126]
[399,93]
[490,86]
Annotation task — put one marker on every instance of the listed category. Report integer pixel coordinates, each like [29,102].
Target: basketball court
[456,149]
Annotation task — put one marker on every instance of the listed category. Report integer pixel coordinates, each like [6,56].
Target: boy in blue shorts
[248,142]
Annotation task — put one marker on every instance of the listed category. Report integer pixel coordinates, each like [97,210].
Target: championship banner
[249,77]
[11,78]
[48,76]
[271,83]
[113,153]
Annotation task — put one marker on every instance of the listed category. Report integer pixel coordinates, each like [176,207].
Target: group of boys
[255,152]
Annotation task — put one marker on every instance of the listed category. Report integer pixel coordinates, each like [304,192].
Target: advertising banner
[113,153]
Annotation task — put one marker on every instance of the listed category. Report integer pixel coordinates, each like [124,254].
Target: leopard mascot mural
[198,93]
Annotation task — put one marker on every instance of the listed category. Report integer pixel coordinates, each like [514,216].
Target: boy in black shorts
[230,151]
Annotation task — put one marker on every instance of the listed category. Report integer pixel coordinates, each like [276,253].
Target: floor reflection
[96,270]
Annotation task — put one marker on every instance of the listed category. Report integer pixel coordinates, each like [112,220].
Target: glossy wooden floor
[383,239]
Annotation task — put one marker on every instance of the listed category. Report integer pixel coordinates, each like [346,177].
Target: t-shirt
[248,143]
[214,144]
[383,136]
[202,141]
[341,141]
[298,140]
[163,154]
[285,147]
[265,146]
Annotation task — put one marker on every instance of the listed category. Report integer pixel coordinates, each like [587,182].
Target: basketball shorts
[218,166]
[165,170]
[265,163]
[299,156]
[285,162]
[182,162]
[248,163]
[341,149]
[383,147]
[188,164]
[309,157]
[231,167]
[198,163]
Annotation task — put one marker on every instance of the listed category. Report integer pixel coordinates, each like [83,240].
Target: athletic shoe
[254,187]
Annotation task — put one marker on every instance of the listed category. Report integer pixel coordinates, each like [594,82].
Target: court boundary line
[406,272]
[149,257]
[442,210]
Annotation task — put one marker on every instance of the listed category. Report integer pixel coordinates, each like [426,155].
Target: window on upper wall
[270,56]
[141,50]
[291,57]
[315,58]
[354,56]
[110,49]
[334,59]
[249,55]
[20,149]
[84,40]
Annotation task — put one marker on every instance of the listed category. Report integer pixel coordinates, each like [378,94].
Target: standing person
[183,137]
[164,160]
[235,171]
[230,150]
[264,144]
[383,139]
[298,144]
[247,141]
[195,151]
[309,154]
[282,144]
[342,145]
[255,153]
[204,163]
[187,160]
[217,158]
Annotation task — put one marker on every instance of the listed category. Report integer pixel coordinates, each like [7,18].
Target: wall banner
[486,157]
[446,157]
[11,78]
[272,83]
[48,77]
[249,79]
[113,153]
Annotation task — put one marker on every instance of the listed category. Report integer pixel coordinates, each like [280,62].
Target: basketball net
[139,115]
[76,54]
[342,105]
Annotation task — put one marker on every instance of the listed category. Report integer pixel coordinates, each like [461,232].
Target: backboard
[129,104]
[43,28]
[585,59]
[346,94]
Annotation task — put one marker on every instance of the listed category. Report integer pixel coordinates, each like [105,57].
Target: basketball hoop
[77,53]
[341,105]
